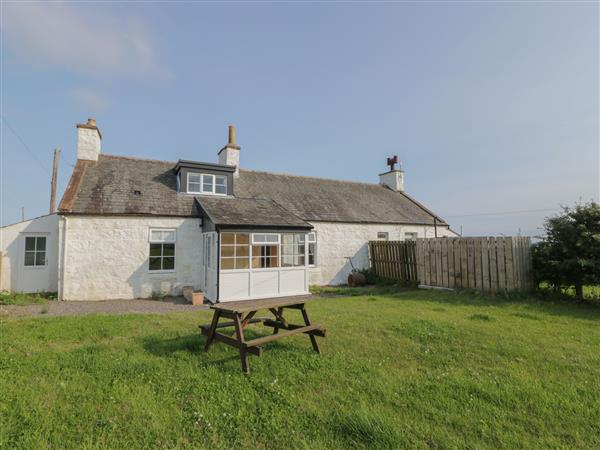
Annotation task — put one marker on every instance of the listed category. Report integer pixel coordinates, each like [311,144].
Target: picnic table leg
[278,316]
[313,339]
[239,332]
[213,327]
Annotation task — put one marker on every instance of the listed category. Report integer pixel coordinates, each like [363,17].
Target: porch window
[410,236]
[162,250]
[265,250]
[235,251]
[312,248]
[35,251]
[292,250]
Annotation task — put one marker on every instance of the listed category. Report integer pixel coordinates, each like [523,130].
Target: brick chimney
[89,140]
[230,154]
[394,178]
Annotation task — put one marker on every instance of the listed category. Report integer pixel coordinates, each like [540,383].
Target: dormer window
[205,183]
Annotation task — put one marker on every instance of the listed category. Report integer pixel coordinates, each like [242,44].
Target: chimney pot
[231,135]
[91,122]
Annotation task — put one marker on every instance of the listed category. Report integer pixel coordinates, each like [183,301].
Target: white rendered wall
[88,144]
[107,257]
[337,240]
[15,277]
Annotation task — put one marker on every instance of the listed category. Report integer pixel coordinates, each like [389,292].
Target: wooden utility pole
[53,181]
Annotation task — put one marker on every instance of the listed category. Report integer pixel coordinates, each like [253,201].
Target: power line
[42,165]
[498,213]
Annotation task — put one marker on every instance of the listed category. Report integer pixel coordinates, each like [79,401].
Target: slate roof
[108,187]
[236,211]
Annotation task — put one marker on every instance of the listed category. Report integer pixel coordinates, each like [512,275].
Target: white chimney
[89,140]
[394,178]
[230,154]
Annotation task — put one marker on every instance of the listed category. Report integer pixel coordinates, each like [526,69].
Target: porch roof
[248,212]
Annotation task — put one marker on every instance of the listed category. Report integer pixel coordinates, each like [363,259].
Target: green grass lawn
[406,369]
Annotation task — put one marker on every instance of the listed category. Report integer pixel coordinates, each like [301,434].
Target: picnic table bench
[242,313]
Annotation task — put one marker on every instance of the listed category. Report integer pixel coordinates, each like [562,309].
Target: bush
[569,254]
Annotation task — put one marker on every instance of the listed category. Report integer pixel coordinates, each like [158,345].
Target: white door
[209,262]
[34,274]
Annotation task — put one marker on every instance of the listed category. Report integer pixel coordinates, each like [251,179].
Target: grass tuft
[17,298]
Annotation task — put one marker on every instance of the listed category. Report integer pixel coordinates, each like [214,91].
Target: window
[312,248]
[204,183]
[235,251]
[383,236]
[193,183]
[411,236]
[292,250]
[35,251]
[162,250]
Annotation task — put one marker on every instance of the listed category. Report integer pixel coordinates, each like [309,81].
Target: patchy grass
[7,298]
[402,369]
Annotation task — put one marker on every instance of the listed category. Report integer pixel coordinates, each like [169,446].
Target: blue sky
[492,107]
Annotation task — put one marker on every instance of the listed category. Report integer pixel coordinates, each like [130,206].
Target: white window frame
[173,241]
[35,251]
[201,190]
[411,236]
[199,183]
[311,238]
[263,239]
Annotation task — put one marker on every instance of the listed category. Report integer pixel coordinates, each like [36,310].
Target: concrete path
[73,308]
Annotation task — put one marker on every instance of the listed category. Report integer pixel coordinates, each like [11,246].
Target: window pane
[207,183]
[241,250]
[312,237]
[193,187]
[241,238]
[241,263]
[220,185]
[228,238]
[194,177]
[168,263]
[311,260]
[155,249]
[30,243]
[168,235]
[29,258]
[300,260]
[154,264]
[168,249]
[41,243]
[287,239]
[227,251]
[40,258]
[227,263]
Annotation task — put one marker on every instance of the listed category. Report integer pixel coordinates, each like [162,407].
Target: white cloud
[80,38]
[90,99]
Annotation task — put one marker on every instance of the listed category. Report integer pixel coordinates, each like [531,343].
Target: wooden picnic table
[241,313]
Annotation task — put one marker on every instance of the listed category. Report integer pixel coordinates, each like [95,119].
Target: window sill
[158,272]
[35,267]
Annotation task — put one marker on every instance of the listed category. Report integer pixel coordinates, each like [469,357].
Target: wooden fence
[483,263]
[395,260]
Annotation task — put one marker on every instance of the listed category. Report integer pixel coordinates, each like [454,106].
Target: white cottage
[132,228]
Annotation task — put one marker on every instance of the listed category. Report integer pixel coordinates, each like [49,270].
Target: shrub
[569,254]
